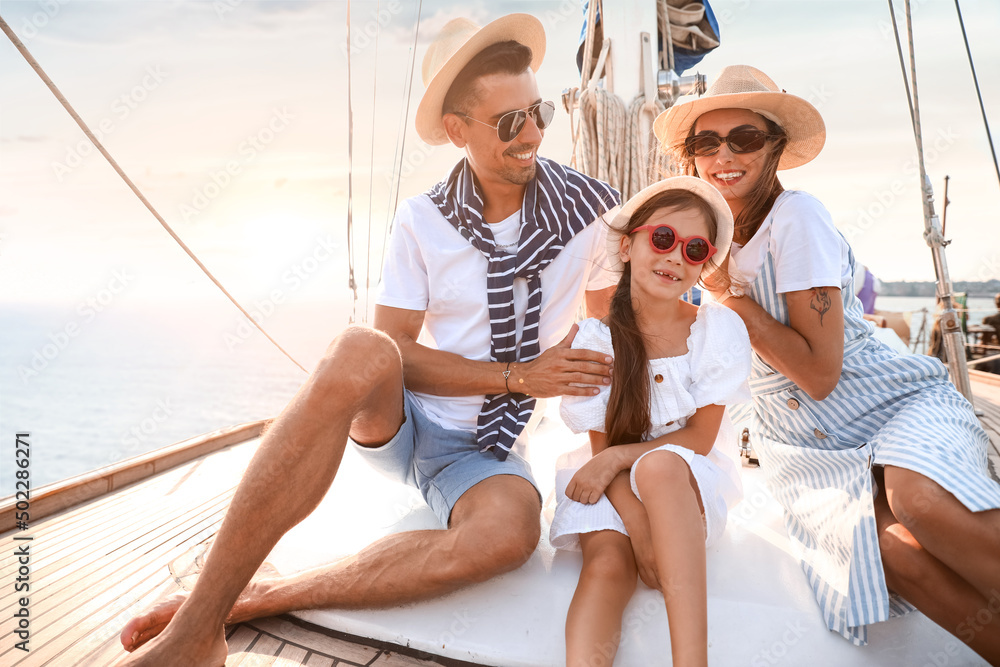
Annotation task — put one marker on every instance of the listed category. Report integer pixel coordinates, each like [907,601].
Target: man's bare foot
[172,649]
[154,619]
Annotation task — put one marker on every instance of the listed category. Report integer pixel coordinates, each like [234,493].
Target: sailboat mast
[951,330]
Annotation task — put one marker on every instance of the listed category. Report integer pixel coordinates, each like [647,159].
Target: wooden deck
[986,387]
[95,565]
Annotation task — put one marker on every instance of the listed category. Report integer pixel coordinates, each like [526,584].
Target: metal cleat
[746,451]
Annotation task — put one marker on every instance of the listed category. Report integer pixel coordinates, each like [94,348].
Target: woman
[879,463]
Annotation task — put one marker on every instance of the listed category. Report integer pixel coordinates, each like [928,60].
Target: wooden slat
[139,530]
[291,656]
[262,653]
[983,378]
[89,610]
[240,641]
[104,647]
[317,660]
[158,543]
[986,388]
[52,498]
[331,646]
[98,559]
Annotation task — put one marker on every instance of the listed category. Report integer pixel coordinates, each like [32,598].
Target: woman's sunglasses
[664,238]
[740,141]
[512,122]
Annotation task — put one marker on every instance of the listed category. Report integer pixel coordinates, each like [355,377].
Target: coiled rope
[609,143]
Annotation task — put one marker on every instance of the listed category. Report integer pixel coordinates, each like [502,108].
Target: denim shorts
[442,463]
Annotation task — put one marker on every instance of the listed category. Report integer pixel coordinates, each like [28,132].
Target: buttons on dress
[658,377]
[819,434]
[669,423]
[793,404]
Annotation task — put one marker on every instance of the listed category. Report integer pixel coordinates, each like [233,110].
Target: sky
[232,117]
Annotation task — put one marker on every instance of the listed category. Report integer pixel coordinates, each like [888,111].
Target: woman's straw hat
[459,42]
[745,87]
[723,218]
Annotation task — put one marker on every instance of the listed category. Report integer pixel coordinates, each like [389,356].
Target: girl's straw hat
[459,42]
[723,218]
[745,87]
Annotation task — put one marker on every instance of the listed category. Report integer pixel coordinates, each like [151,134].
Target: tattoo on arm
[820,302]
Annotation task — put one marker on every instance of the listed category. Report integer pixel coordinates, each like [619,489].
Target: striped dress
[817,456]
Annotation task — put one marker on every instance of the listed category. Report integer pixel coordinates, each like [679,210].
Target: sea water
[95,390]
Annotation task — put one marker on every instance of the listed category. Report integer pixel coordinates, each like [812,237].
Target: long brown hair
[628,415]
[766,189]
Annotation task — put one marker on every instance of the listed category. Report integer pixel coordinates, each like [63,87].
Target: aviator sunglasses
[512,122]
[749,140]
[664,238]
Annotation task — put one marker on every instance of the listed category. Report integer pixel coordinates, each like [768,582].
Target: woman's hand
[593,478]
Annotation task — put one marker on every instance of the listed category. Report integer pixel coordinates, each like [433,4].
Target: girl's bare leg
[670,494]
[607,581]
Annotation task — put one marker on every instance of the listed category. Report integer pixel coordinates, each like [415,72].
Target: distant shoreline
[982,289]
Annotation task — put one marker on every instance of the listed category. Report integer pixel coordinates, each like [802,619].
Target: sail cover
[694,31]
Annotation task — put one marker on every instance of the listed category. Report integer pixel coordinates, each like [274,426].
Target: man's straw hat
[745,87]
[723,218]
[455,47]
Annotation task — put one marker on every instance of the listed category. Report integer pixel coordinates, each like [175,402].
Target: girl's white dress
[714,371]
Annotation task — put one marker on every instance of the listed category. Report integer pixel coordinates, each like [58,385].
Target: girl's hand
[645,559]
[593,478]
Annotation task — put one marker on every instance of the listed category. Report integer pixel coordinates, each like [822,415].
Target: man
[492,265]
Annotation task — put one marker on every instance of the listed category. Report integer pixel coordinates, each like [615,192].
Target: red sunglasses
[664,238]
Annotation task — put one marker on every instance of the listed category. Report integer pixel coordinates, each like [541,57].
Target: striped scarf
[558,203]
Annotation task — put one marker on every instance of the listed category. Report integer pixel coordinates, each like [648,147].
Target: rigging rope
[351,283]
[951,332]
[400,140]
[371,169]
[902,66]
[100,147]
[979,94]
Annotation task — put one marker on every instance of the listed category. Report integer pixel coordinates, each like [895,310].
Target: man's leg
[359,381]
[494,529]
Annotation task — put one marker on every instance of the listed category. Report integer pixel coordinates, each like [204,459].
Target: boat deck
[96,564]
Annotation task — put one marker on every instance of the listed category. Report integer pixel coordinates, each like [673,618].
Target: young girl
[662,475]
[879,462]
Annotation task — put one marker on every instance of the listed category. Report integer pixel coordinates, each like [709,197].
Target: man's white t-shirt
[431,267]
